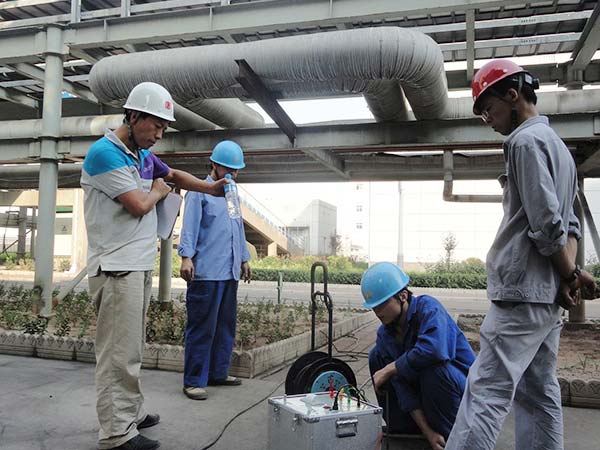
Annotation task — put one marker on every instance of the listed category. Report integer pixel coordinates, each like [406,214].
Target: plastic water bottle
[232,199]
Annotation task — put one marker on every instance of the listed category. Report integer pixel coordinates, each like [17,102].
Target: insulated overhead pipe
[448,185]
[378,62]
[95,125]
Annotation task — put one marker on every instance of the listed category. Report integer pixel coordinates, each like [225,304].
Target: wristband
[574,275]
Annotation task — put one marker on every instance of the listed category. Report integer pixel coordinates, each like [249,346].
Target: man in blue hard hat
[421,358]
[214,257]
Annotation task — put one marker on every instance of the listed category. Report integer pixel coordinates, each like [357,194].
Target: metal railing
[267,217]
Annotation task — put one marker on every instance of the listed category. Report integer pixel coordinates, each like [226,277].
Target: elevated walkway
[262,232]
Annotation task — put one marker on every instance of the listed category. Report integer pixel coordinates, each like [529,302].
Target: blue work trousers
[440,389]
[210,331]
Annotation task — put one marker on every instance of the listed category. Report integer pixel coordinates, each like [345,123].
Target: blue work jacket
[431,338]
[215,242]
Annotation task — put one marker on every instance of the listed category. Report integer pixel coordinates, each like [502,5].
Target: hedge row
[433,280]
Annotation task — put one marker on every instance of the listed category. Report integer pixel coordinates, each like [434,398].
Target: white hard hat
[153,99]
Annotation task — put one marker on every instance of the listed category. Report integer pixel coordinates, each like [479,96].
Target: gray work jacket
[539,189]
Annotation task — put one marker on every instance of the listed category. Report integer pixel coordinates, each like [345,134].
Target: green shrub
[418,279]
[448,280]
[75,312]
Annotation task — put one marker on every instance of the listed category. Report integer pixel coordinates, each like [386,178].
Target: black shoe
[138,443]
[149,421]
[229,381]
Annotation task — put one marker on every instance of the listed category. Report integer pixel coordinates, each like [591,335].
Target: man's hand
[382,376]
[246,272]
[436,440]
[187,269]
[569,294]
[160,187]
[216,188]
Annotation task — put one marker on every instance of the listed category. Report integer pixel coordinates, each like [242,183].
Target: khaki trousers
[121,304]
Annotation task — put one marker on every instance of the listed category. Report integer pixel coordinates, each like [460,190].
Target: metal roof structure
[567,32]
[47,48]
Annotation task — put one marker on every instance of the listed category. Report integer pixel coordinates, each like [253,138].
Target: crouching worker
[421,358]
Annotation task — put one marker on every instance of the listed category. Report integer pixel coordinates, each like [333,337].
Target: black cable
[239,414]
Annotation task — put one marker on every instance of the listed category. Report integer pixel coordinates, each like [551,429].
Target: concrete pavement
[49,405]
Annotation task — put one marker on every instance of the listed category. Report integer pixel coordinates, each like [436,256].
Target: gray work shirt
[539,187]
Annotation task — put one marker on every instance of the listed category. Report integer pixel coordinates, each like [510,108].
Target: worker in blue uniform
[214,257]
[421,358]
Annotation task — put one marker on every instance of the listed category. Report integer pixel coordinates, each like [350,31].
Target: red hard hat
[489,74]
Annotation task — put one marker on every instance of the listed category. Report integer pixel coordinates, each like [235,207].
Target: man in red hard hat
[531,273]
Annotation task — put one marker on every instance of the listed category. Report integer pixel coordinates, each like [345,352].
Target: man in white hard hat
[122,181]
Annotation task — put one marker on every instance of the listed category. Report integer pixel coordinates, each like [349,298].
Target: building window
[359,225]
[358,208]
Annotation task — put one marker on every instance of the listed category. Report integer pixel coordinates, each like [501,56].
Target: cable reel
[317,371]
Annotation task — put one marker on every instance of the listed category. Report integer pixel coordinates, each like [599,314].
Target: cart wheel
[292,386]
[312,378]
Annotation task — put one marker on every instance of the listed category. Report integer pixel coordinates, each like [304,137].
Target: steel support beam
[470,16]
[547,73]
[577,313]
[165,270]
[22,232]
[23,3]
[590,223]
[457,134]
[589,41]
[82,54]
[125,8]
[257,90]
[32,71]
[514,41]
[75,11]
[329,160]
[48,181]
[257,16]
[592,162]
[13,96]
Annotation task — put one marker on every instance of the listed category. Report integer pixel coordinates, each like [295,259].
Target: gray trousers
[121,305]
[517,361]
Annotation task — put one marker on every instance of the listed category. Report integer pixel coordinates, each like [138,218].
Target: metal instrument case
[304,422]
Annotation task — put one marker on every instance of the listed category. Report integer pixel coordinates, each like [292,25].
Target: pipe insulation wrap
[374,61]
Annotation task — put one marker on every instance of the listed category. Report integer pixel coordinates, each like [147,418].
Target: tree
[450,243]
[335,243]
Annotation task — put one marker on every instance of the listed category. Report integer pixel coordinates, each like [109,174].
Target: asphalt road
[462,301]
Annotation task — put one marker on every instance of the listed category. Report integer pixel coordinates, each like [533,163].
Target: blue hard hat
[228,154]
[380,282]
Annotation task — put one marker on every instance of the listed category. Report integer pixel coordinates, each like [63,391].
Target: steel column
[33,233]
[577,313]
[75,11]
[49,169]
[166,269]
[22,232]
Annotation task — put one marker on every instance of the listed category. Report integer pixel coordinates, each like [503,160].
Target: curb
[247,363]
